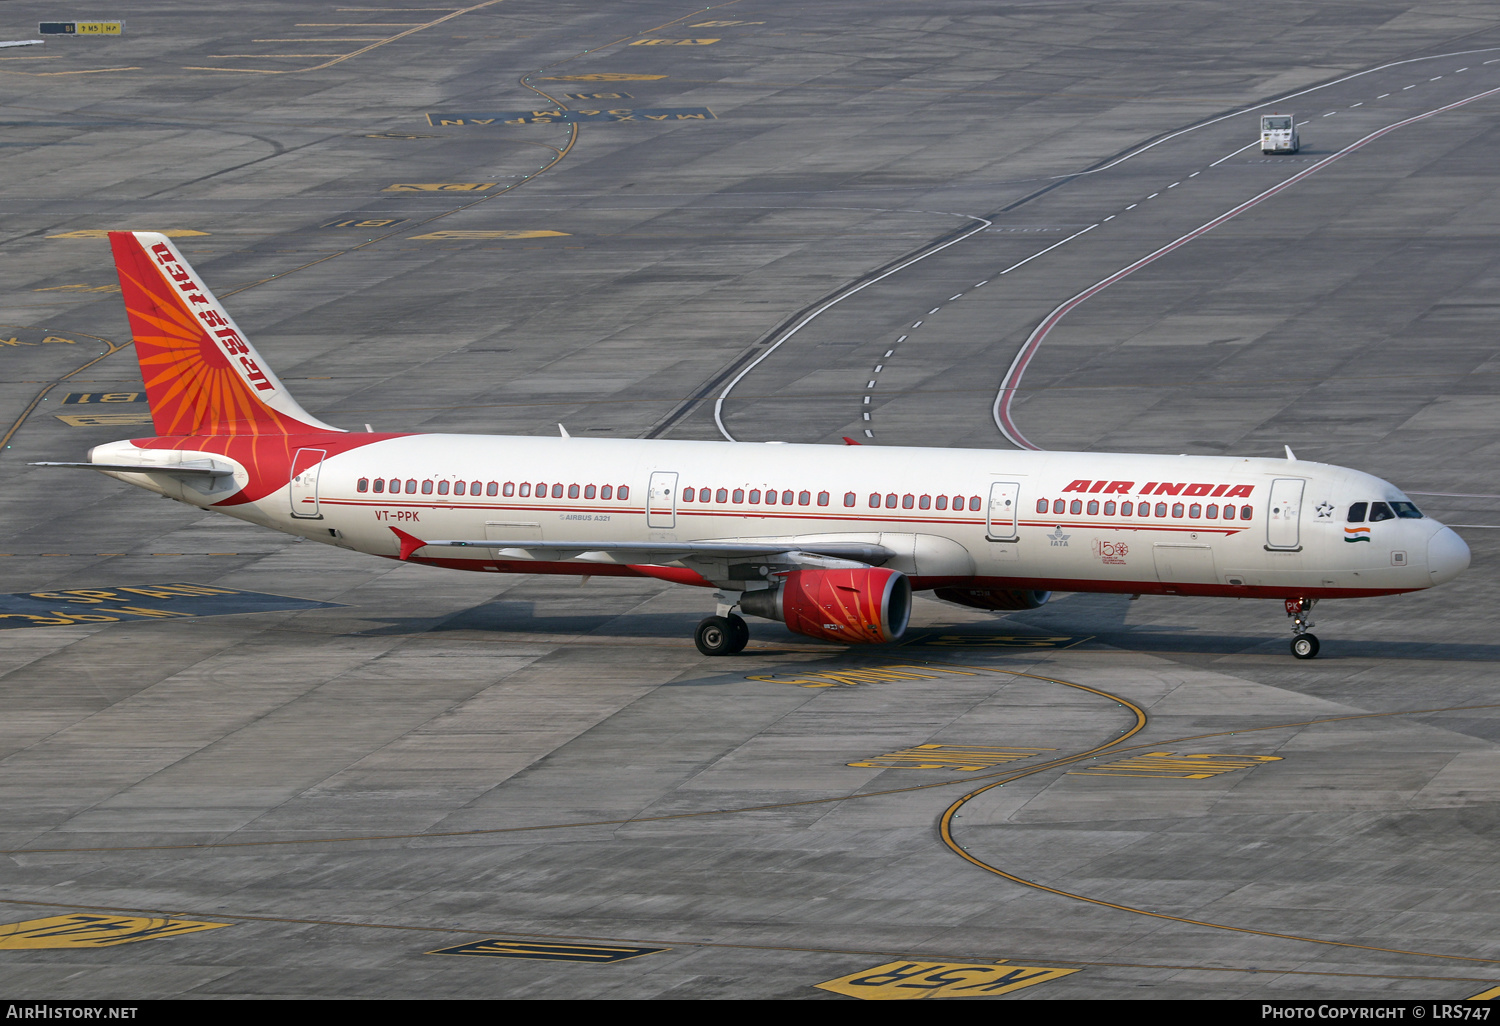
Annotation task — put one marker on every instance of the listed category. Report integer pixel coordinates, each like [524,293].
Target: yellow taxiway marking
[439,187]
[103,419]
[1487,995]
[896,981]
[79,288]
[43,74]
[1167,765]
[1001,641]
[865,675]
[970,758]
[675,42]
[94,931]
[103,233]
[489,235]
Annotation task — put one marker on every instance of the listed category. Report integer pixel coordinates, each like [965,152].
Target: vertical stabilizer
[202,376]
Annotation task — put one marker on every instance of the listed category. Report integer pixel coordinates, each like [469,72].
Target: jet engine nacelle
[864,605]
[985,598]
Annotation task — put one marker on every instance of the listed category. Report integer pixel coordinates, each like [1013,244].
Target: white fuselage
[1288,535]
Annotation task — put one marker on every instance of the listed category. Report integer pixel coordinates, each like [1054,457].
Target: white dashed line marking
[1405,88]
[917,325]
[1461,70]
[1174,185]
[879,367]
[901,339]
[867,400]
[1195,174]
[1382,96]
[1434,78]
[985,282]
[933,311]
[952,298]
[869,433]
[1132,206]
[1111,217]
[1361,103]
[1153,195]
[888,353]
[870,384]
[867,415]
[1330,114]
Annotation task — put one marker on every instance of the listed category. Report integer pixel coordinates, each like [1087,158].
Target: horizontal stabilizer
[202,469]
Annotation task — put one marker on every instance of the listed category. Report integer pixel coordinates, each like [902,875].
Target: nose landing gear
[1304,645]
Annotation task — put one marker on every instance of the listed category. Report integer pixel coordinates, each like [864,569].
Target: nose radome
[1447,556]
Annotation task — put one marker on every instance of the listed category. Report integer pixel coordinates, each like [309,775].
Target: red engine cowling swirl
[864,605]
[986,598]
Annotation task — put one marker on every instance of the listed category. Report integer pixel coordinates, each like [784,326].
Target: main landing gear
[722,635]
[1304,645]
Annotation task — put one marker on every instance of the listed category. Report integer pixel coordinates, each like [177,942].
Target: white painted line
[985,282]
[1174,185]
[952,298]
[888,353]
[879,367]
[903,338]
[1195,174]
[870,384]
[1132,206]
[1330,114]
[1301,123]
[869,433]
[24,42]
[1405,88]
[1153,195]
[1111,217]
[867,415]
[1382,96]
[719,403]
[917,325]
[1049,249]
[1492,62]
[867,400]
[1434,78]
[1361,103]
[933,311]
[1011,382]
[1460,70]
[1226,156]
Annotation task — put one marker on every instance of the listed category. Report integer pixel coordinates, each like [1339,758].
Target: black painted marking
[500,948]
[138,602]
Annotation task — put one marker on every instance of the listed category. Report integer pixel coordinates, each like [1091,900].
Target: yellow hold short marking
[85,930]
[896,981]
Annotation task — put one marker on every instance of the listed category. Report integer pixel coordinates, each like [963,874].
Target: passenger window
[1177,510]
[474,488]
[1093,507]
[803,498]
[739,496]
[1109,509]
[541,489]
[525,489]
[848,498]
[411,486]
[380,484]
[754,496]
[770,496]
[786,497]
[958,503]
[1380,511]
[1127,508]
[1161,509]
[890,500]
[1195,511]
[942,503]
[722,495]
[606,491]
[1076,507]
[1042,505]
[908,501]
[623,494]
[1406,510]
[1144,511]
[1213,511]
[442,487]
[974,503]
[459,487]
[363,485]
[822,498]
[688,493]
[426,487]
[1228,512]
[395,484]
[589,491]
[1245,512]
[925,502]
[572,491]
[1357,512]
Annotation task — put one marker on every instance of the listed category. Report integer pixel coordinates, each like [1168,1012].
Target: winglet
[409,543]
[849,441]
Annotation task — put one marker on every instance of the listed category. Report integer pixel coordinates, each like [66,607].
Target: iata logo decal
[1207,488]
[1356,534]
[1057,538]
[1110,551]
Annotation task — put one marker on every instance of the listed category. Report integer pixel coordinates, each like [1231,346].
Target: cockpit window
[1407,510]
[1357,512]
[1380,511]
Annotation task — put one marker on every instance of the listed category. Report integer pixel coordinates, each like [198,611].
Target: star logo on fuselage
[1325,511]
[1058,538]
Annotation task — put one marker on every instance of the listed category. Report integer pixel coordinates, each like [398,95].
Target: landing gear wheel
[1304,646]
[741,633]
[716,636]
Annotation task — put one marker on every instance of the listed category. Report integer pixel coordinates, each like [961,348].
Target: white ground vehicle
[1278,133]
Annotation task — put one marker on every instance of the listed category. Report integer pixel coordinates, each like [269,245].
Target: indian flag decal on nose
[1356,534]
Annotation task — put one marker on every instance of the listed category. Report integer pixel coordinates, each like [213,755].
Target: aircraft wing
[197,468]
[658,551]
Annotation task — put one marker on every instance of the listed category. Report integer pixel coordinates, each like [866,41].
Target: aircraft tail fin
[202,376]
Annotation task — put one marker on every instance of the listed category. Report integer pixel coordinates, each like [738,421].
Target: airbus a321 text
[830,540]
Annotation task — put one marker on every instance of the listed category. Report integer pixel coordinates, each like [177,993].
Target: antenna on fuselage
[1289,454]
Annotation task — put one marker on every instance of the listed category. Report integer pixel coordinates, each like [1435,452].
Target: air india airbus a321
[830,540]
